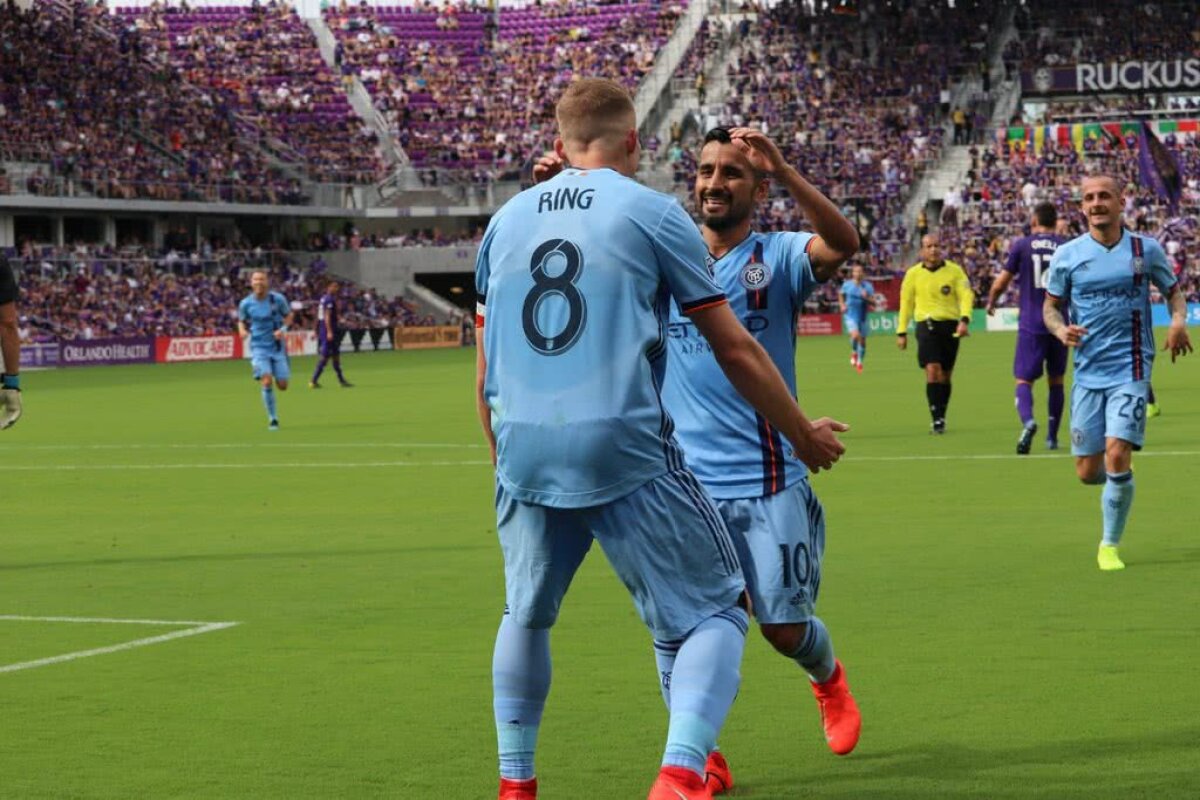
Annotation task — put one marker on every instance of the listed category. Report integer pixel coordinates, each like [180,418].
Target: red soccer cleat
[717,777]
[518,790]
[678,783]
[839,712]
[858,367]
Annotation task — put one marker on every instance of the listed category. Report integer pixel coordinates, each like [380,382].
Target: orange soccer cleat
[678,783]
[839,712]
[518,790]
[717,777]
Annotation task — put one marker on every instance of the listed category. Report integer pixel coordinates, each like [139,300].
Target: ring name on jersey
[566,199]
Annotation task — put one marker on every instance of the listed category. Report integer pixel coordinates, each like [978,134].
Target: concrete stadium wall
[392,271]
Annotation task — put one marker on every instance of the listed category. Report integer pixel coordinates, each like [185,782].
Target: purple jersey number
[1029,260]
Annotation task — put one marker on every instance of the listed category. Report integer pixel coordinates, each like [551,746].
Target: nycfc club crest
[1138,265]
[756,276]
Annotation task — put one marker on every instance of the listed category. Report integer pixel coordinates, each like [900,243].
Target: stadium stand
[85,293]
[1008,178]
[123,132]
[262,61]
[473,99]
[1061,32]
[854,102]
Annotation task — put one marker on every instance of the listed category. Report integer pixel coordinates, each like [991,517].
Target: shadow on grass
[1161,765]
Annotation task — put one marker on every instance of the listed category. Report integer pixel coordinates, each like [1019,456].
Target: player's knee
[785,638]
[1090,471]
[534,618]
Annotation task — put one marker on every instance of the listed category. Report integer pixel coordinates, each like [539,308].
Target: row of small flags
[1074,135]
[1157,167]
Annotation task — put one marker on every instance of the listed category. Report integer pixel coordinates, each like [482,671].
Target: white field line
[850,461]
[241,465]
[196,629]
[248,446]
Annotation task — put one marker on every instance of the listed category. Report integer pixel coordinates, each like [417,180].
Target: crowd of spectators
[86,292]
[1007,180]
[1064,32]
[263,62]
[79,99]
[854,102]
[473,98]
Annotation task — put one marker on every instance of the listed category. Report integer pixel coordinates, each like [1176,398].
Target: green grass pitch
[356,549]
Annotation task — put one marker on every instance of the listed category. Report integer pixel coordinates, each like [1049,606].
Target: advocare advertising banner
[123,350]
[299,343]
[1113,76]
[170,349]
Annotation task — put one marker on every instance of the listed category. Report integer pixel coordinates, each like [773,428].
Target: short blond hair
[592,109]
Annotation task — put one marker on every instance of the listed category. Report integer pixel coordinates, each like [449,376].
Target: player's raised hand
[764,155]
[1071,335]
[547,166]
[990,309]
[821,449]
[1178,342]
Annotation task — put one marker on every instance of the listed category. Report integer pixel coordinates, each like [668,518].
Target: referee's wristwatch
[965,320]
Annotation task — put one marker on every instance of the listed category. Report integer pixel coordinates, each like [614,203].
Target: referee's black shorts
[8,283]
[936,342]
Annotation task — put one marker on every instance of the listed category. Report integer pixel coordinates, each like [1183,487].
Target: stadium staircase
[359,97]
[683,101]
[955,160]
[654,90]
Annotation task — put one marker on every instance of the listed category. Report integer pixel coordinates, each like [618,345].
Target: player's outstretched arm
[1178,341]
[1070,335]
[756,378]
[999,287]
[836,239]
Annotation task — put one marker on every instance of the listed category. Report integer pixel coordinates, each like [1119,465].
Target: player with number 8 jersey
[575,278]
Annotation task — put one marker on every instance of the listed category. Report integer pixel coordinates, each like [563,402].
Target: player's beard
[736,212]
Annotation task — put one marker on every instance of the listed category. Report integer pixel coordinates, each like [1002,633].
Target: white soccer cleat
[10,400]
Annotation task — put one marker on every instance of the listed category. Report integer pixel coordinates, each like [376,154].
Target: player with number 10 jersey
[575,278]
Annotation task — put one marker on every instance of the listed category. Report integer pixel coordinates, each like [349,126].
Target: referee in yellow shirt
[937,293]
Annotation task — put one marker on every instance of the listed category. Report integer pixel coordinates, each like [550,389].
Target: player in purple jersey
[1029,263]
[327,337]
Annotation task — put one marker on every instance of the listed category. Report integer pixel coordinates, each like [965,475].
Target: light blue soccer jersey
[574,278]
[858,298]
[732,450]
[1109,294]
[263,318]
